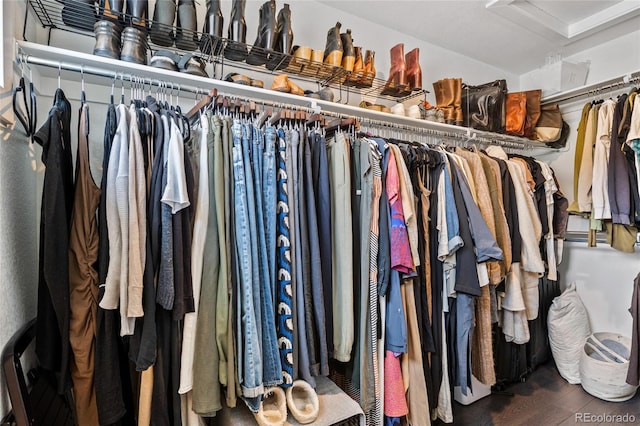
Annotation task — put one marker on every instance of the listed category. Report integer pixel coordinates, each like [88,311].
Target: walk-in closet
[319,212]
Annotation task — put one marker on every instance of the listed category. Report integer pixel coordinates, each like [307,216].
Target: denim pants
[269,202]
[249,356]
[283,257]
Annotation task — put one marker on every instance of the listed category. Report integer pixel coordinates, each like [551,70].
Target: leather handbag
[516,113]
[484,106]
[533,112]
[549,126]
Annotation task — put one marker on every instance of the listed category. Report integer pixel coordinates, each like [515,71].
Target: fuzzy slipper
[302,401]
[273,408]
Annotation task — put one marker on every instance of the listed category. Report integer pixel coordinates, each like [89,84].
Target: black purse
[484,106]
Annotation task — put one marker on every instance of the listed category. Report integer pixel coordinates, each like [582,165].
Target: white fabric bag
[568,330]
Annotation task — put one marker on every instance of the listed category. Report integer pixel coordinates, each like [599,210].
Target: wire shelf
[79,17]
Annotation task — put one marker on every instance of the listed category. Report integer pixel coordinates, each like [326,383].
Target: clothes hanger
[28,116]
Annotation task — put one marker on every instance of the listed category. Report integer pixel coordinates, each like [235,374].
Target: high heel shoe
[348,52]
[397,83]
[211,41]
[333,50]
[266,37]
[236,49]
[279,59]
[414,72]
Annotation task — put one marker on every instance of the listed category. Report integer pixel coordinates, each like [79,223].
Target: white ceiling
[514,35]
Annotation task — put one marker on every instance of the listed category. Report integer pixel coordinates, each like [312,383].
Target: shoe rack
[211,50]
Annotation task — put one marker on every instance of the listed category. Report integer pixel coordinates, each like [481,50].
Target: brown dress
[83,280]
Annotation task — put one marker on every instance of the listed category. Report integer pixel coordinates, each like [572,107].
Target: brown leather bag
[533,112]
[549,126]
[516,113]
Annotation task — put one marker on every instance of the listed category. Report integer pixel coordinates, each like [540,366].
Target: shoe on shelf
[398,109]
[134,46]
[186,26]
[333,50]
[280,58]
[161,31]
[348,51]
[211,41]
[369,69]
[266,37]
[281,83]
[325,94]
[236,49]
[397,83]
[414,72]
[107,39]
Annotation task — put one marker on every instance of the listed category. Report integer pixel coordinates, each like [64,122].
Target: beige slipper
[302,401]
[273,408]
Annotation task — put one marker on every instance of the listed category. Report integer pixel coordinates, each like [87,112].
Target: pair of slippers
[301,399]
[187,63]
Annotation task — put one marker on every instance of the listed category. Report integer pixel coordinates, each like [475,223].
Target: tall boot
[107,39]
[236,49]
[111,10]
[397,83]
[358,67]
[284,41]
[348,52]
[266,37]
[414,72]
[162,27]
[80,14]
[186,26]
[212,33]
[458,117]
[333,50]
[369,71]
[137,13]
[447,96]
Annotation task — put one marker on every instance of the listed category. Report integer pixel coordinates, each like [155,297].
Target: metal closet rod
[469,136]
[595,89]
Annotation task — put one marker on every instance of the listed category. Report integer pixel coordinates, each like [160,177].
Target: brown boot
[414,72]
[397,82]
[457,102]
[294,89]
[369,70]
[444,98]
[281,83]
[358,67]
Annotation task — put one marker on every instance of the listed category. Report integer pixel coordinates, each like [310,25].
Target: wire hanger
[27,117]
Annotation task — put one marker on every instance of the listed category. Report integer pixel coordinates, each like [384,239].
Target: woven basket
[604,366]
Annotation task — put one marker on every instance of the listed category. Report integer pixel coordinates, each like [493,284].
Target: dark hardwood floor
[545,398]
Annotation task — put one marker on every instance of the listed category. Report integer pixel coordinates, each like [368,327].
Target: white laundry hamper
[604,365]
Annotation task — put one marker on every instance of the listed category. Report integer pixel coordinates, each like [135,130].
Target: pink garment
[395,401]
[401,259]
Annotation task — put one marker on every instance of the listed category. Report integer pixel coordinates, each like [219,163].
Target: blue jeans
[269,202]
[249,356]
[272,369]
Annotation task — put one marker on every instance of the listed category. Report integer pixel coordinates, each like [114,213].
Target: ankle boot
[397,83]
[186,26]
[107,39]
[369,71]
[333,50]
[137,13]
[266,38]
[134,46]
[284,41]
[162,26]
[236,49]
[80,14]
[358,67]
[414,72]
[111,10]
[348,52]
[458,117]
[211,41]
